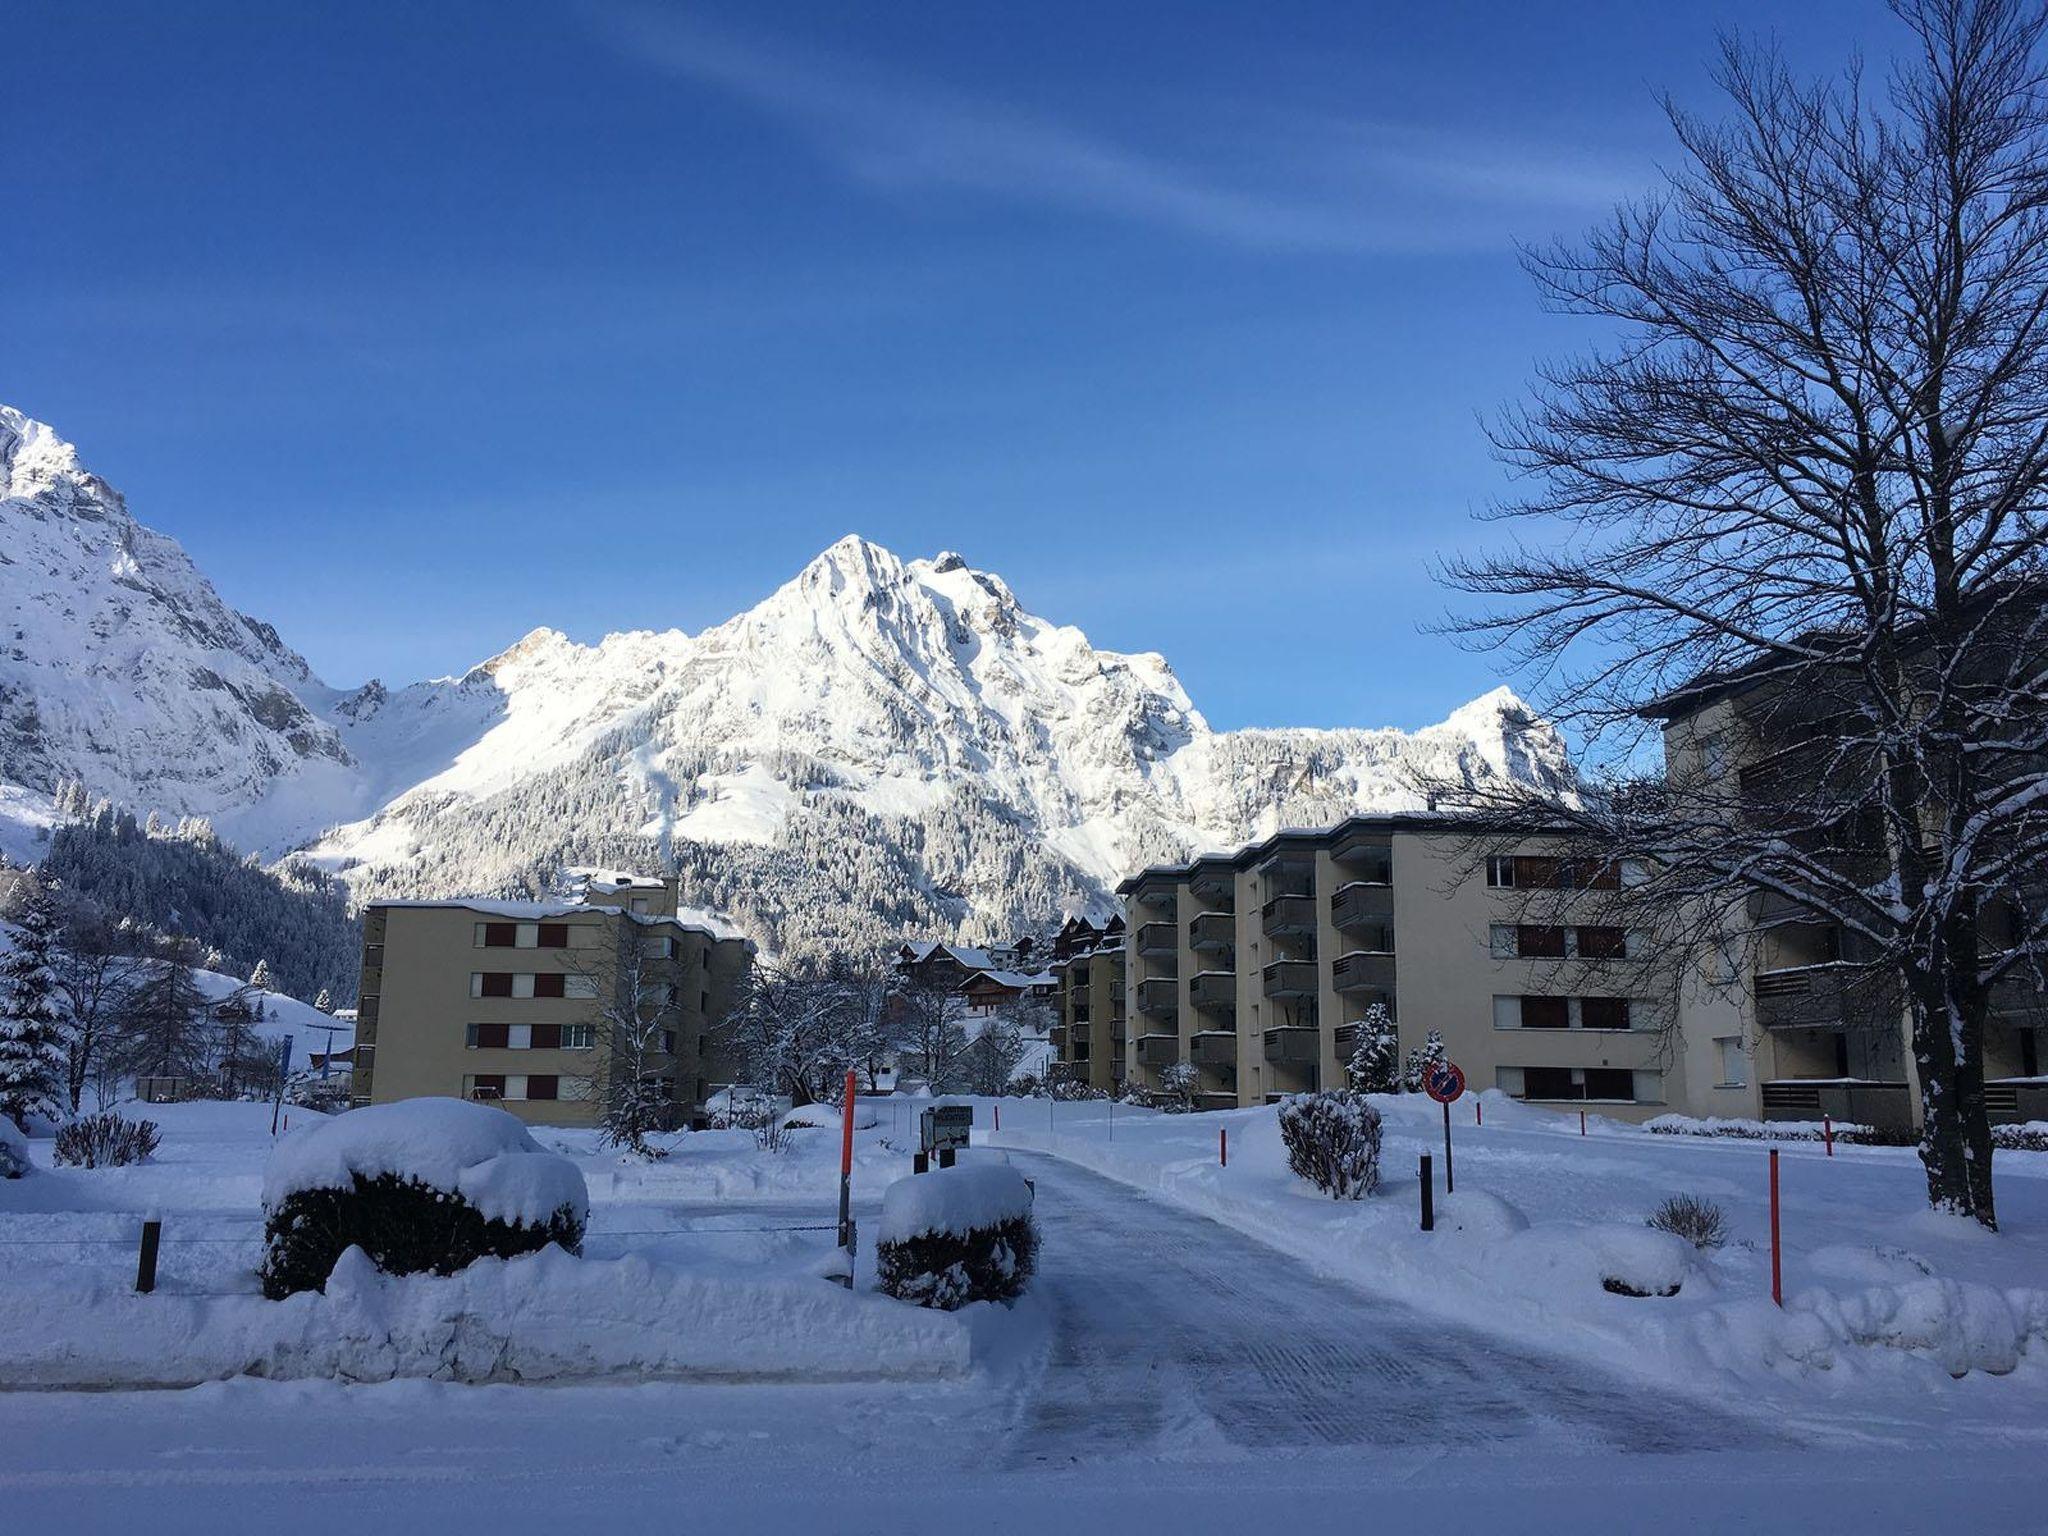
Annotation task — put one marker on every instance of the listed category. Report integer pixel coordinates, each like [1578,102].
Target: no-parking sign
[1445,1083]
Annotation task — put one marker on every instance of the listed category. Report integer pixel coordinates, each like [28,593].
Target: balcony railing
[1159,1050]
[1213,882]
[1293,1045]
[1212,931]
[1827,996]
[1293,914]
[1158,939]
[1213,1048]
[1850,1101]
[1363,970]
[1362,903]
[1159,996]
[1214,991]
[1290,978]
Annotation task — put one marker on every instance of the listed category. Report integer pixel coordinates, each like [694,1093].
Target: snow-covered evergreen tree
[31,1015]
[1431,1053]
[324,1002]
[1375,1065]
[260,978]
[1177,1084]
[165,1029]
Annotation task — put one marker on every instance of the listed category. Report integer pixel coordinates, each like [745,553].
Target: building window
[1734,1071]
[584,987]
[488,1037]
[1602,943]
[1534,943]
[543,1087]
[1545,1013]
[1603,1013]
[1548,1083]
[483,1085]
[1500,871]
[1714,755]
[490,984]
[1613,1085]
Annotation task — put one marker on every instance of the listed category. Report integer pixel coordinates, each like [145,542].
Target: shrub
[405,1225]
[1333,1141]
[956,1236]
[106,1141]
[2030,1137]
[425,1185]
[1693,1217]
[13,1151]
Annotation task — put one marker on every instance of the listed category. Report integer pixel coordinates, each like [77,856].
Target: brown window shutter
[1539,943]
[1603,1012]
[490,1036]
[540,1087]
[501,935]
[547,986]
[547,1037]
[497,984]
[1546,1013]
[554,936]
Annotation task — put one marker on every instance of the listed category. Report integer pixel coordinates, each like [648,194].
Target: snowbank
[542,1317]
[955,1201]
[481,1153]
[13,1150]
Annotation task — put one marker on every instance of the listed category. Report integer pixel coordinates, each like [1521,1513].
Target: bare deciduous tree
[1814,465]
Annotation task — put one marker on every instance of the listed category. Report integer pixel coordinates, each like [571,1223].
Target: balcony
[1214,881]
[1826,996]
[1845,1100]
[1216,1098]
[1214,991]
[1285,915]
[1212,931]
[1158,939]
[2017,1001]
[2016,1100]
[1363,971]
[1295,1047]
[1158,892]
[1367,853]
[1290,978]
[1362,904]
[1213,1048]
[1159,996]
[1159,1050]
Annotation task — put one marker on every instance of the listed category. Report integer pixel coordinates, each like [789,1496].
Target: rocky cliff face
[880,743]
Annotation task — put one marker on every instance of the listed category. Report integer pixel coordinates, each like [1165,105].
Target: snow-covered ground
[1169,1370]
[1881,1295]
[706,1263]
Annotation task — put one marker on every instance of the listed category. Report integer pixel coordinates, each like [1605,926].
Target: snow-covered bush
[1422,1060]
[13,1151]
[424,1184]
[1375,1064]
[1693,1217]
[957,1235]
[1333,1141]
[2029,1137]
[106,1141]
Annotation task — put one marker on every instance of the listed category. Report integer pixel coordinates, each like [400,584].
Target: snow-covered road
[1173,1332]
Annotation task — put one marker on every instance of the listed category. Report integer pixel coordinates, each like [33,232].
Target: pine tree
[165,1030]
[260,977]
[31,1016]
[1431,1053]
[1375,1065]
[323,1002]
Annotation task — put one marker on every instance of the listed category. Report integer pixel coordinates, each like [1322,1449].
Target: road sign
[1446,1082]
[945,1127]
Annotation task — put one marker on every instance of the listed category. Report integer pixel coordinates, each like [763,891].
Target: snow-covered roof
[1018,981]
[543,911]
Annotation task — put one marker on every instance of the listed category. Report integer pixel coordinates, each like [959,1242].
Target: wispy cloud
[1341,186]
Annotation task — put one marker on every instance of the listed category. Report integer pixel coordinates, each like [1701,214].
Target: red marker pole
[846,1181]
[1777,1266]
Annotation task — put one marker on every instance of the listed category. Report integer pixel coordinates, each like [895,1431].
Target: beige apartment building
[1257,967]
[1823,1037]
[1091,1035]
[514,1002]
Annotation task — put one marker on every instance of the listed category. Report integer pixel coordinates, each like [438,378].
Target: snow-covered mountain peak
[879,744]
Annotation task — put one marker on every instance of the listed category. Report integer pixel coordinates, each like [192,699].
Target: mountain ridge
[879,743]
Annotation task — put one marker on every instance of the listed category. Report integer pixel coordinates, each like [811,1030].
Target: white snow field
[1169,1370]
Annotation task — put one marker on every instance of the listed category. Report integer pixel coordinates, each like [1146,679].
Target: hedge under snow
[460,1148]
[955,1201]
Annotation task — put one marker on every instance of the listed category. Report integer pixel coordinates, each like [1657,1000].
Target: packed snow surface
[954,1201]
[481,1153]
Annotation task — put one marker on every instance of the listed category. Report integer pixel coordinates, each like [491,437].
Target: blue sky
[423,325]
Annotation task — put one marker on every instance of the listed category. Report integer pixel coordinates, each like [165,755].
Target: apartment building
[514,1002]
[1823,1035]
[1256,968]
[1088,961]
